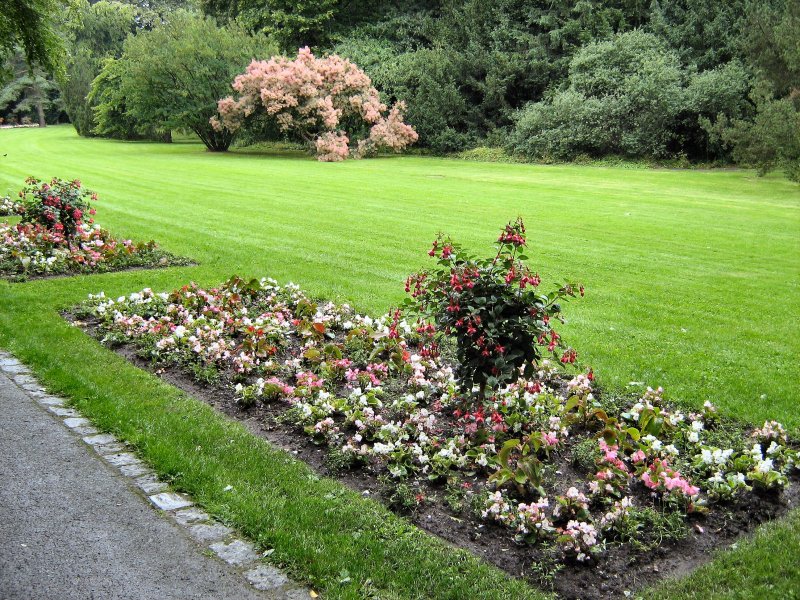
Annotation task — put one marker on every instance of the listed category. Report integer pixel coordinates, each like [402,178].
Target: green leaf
[571,403]
[505,451]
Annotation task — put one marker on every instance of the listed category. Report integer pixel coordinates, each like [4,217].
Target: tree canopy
[31,25]
[171,77]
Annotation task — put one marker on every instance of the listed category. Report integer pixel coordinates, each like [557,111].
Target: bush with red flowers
[492,307]
[59,205]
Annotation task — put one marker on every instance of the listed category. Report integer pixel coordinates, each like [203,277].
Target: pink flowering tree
[328,102]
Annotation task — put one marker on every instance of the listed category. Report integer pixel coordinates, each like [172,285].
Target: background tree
[30,95]
[295,24]
[171,77]
[110,108]
[771,138]
[705,33]
[95,32]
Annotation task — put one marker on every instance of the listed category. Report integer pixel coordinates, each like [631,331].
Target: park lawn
[691,277]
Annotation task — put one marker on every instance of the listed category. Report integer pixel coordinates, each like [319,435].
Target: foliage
[95,32]
[630,96]
[172,76]
[706,33]
[770,44]
[30,95]
[329,102]
[109,105]
[770,141]
[492,307]
[292,24]
[30,24]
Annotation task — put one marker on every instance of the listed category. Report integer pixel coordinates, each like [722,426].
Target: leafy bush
[630,96]
[501,323]
[623,98]
[771,140]
[487,154]
[171,77]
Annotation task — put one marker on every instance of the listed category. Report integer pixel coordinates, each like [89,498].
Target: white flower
[755,452]
[672,450]
[697,426]
[694,437]
[382,448]
[765,466]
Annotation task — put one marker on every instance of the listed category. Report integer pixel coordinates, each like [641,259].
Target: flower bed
[54,239]
[544,476]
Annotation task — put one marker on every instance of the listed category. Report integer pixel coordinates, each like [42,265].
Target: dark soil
[619,568]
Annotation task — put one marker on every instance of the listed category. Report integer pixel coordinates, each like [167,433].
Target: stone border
[223,541]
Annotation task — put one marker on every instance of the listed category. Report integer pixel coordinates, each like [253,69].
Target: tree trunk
[166,137]
[37,101]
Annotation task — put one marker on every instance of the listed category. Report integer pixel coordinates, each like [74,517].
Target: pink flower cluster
[659,476]
[317,98]
[40,249]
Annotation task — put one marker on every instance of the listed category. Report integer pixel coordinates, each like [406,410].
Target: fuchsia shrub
[329,102]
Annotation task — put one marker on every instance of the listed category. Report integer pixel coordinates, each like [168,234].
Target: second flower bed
[57,236]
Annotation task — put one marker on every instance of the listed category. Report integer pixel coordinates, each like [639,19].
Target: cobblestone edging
[223,541]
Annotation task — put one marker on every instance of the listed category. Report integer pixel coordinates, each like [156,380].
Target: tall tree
[29,94]
[94,32]
[171,77]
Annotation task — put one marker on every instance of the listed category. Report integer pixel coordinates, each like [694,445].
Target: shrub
[329,102]
[770,141]
[172,76]
[501,323]
[58,205]
[630,96]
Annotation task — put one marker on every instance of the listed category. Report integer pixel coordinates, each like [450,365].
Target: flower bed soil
[619,568]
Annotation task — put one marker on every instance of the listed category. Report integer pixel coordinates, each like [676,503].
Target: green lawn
[692,284]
